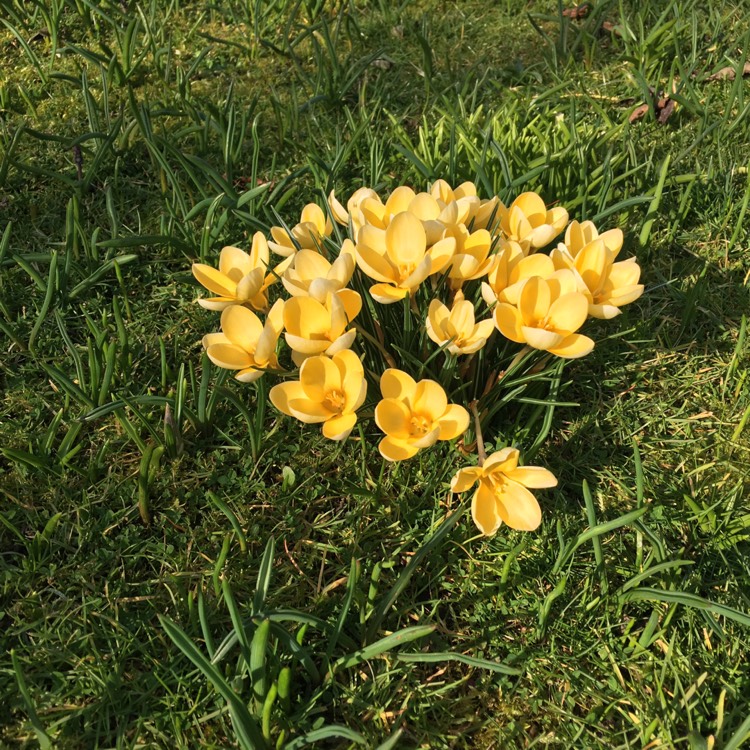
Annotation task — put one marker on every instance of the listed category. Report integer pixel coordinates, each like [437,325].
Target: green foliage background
[137,137]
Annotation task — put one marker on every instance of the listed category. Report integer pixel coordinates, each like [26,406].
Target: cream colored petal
[543,235]
[282,242]
[625,273]
[242,327]
[229,356]
[532,265]
[280,395]
[392,449]
[442,191]
[478,244]
[604,312]
[542,339]
[518,508]
[306,317]
[318,376]
[557,218]
[249,375]
[418,275]
[508,321]
[217,304]
[568,313]
[339,428]
[484,510]
[352,302]
[450,214]
[625,295]
[342,343]
[386,294]
[306,346]
[592,264]
[215,281]
[441,254]
[534,301]
[565,281]
[399,200]
[427,440]
[214,338]
[462,318]
[534,477]
[488,295]
[234,263]
[392,417]
[259,253]
[424,207]
[429,400]
[320,289]
[574,346]
[343,268]
[398,385]
[310,264]
[376,266]
[502,461]
[373,212]
[464,479]
[249,285]
[613,239]
[308,411]
[531,204]
[314,214]
[337,210]
[453,422]
[405,240]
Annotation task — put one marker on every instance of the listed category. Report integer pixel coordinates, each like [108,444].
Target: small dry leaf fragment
[638,113]
[577,11]
[665,110]
[609,27]
[729,73]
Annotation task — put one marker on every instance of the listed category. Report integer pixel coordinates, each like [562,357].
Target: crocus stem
[481,452]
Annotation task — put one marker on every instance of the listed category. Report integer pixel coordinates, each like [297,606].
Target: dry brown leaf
[666,111]
[611,28]
[638,113]
[577,11]
[729,73]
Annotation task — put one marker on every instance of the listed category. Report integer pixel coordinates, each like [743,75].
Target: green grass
[623,622]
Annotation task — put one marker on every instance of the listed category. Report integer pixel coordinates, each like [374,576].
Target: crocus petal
[248,375]
[484,510]
[339,428]
[509,322]
[215,281]
[441,254]
[405,240]
[306,317]
[342,343]
[337,210]
[574,346]
[352,302]
[534,477]
[518,508]
[430,400]
[464,479]
[234,263]
[397,384]
[453,422]
[214,338]
[392,449]
[424,207]
[393,418]
[217,304]
[569,312]
[543,235]
[534,300]
[399,200]
[306,346]
[229,356]
[386,294]
[541,338]
[503,461]
[242,327]
[250,284]
[318,375]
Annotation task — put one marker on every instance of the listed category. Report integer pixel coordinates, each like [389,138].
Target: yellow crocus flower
[547,314]
[328,391]
[478,213]
[607,285]
[415,415]
[398,257]
[352,212]
[456,327]
[471,258]
[578,235]
[246,344]
[313,226]
[528,222]
[310,274]
[314,327]
[240,279]
[503,495]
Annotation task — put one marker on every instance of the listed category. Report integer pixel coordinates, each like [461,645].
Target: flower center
[404,271]
[419,425]
[334,400]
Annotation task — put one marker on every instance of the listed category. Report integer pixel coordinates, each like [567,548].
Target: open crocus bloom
[606,285]
[456,327]
[481,213]
[240,279]
[313,226]
[398,257]
[314,327]
[310,274]
[328,391]
[528,222]
[415,415]
[378,214]
[578,235]
[513,269]
[352,212]
[246,344]
[547,314]
[503,495]
[471,258]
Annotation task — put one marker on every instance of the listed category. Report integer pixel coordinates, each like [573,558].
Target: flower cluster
[470,276]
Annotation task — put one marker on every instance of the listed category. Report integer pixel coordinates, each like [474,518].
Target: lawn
[183,566]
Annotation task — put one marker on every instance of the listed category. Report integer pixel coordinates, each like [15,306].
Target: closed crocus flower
[246,344]
[241,278]
[456,328]
[415,415]
[313,226]
[578,235]
[310,274]
[512,269]
[547,315]
[528,222]
[398,257]
[352,212]
[314,327]
[606,285]
[480,214]
[471,258]
[378,214]
[328,391]
[503,494]
[436,216]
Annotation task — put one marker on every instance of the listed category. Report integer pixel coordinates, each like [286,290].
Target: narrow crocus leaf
[383,645]
[471,661]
